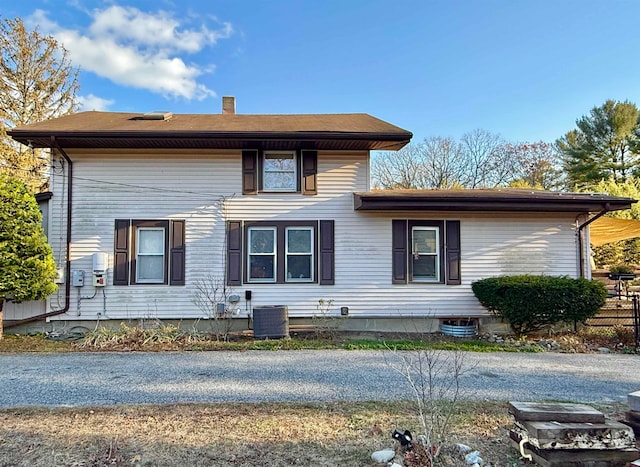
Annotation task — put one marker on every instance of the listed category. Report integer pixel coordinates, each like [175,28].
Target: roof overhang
[503,200]
[211,140]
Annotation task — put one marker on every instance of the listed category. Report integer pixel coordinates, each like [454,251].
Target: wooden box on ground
[571,435]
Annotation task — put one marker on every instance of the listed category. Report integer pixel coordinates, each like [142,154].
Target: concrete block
[634,401]
[555,412]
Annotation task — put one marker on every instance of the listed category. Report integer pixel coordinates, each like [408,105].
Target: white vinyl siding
[204,188]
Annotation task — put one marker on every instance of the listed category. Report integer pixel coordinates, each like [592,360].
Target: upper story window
[279,171]
[273,171]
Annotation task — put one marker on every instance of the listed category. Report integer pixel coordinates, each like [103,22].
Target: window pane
[299,267]
[279,163]
[261,267]
[279,172]
[279,181]
[424,267]
[298,241]
[262,241]
[150,241]
[424,241]
[150,269]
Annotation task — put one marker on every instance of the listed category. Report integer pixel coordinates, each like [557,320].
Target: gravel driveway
[82,379]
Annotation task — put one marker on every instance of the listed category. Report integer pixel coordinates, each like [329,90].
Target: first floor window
[299,254]
[262,254]
[150,257]
[425,258]
[280,252]
[425,251]
[149,252]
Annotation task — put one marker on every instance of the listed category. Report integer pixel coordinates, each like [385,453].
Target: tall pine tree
[604,145]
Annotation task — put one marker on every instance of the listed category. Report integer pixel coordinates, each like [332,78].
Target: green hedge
[530,302]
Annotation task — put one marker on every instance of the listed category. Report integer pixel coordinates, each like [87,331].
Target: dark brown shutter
[121,252]
[453,252]
[177,253]
[249,172]
[327,252]
[309,172]
[234,253]
[399,251]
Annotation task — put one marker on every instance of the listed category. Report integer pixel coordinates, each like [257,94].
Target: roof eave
[468,204]
[209,139]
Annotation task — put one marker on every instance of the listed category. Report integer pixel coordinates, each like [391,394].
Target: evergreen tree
[605,144]
[27,268]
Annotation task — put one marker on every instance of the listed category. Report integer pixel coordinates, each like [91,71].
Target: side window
[149,252]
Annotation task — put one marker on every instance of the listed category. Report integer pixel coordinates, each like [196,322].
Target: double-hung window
[262,254]
[299,254]
[280,252]
[150,255]
[149,252]
[279,171]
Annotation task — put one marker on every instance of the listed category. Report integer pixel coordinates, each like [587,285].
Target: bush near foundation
[530,302]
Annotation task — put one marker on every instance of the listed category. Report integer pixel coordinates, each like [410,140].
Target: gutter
[67,291]
[605,209]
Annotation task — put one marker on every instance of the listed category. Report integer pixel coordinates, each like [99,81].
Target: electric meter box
[77,278]
[100,263]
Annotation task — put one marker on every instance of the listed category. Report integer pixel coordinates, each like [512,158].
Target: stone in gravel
[604,350]
[383,456]
[463,448]
[473,458]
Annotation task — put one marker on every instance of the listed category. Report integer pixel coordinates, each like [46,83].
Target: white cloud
[92,102]
[139,49]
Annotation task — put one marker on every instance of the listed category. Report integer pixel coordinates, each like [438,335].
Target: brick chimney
[228,105]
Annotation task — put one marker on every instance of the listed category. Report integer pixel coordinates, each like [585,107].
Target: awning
[609,229]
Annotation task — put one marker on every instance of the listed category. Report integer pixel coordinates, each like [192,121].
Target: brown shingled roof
[128,130]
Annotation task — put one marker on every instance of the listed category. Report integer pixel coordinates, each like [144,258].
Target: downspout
[67,281]
[605,209]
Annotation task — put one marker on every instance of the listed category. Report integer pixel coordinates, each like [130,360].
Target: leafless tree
[479,160]
[37,82]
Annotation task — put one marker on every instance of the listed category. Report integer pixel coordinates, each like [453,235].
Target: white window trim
[436,254]
[269,280]
[311,254]
[137,233]
[295,172]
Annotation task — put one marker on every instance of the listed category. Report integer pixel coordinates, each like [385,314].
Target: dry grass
[234,434]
